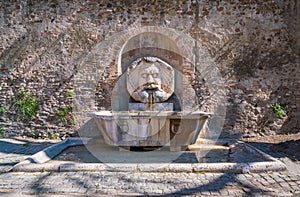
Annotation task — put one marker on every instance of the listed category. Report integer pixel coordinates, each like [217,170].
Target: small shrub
[28,105]
[2,108]
[53,136]
[288,133]
[279,109]
[64,112]
[2,132]
[69,93]
[73,121]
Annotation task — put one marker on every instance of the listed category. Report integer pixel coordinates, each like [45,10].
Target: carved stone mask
[150,74]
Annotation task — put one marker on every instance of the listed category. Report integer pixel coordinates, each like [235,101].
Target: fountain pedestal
[150,129]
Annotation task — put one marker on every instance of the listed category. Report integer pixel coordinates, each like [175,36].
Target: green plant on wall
[2,108]
[287,133]
[2,132]
[69,93]
[64,112]
[53,136]
[73,121]
[27,104]
[279,109]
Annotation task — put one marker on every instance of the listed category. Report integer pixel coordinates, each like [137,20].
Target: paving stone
[115,183]
[223,192]
[278,179]
[209,176]
[284,184]
[232,192]
[286,177]
[205,193]
[295,187]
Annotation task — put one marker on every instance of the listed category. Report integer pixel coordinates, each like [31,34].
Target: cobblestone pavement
[134,183]
[138,183]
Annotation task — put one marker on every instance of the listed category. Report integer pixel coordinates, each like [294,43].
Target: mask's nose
[150,79]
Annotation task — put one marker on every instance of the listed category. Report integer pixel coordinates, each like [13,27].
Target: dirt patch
[287,145]
[290,148]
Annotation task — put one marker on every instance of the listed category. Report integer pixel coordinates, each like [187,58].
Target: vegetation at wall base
[2,132]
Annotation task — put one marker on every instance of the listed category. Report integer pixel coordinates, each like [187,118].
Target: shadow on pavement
[217,185]
[21,146]
[13,150]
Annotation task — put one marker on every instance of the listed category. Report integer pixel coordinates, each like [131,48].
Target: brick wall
[48,46]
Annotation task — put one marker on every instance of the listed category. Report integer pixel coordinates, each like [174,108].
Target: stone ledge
[36,163]
[256,167]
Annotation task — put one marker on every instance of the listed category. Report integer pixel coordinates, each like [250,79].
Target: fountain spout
[150,101]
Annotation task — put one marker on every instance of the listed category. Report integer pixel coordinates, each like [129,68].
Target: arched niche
[149,44]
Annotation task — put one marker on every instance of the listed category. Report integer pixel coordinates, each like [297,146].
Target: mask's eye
[155,75]
[144,75]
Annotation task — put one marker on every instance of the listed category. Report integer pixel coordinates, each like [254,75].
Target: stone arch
[149,44]
[144,39]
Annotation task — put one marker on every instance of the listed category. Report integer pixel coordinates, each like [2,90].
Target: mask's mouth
[151,86]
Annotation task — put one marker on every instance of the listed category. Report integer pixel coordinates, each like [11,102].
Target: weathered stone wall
[255,45]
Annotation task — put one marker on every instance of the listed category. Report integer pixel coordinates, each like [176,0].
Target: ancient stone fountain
[152,118]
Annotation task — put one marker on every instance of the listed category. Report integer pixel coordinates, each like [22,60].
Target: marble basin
[150,128]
